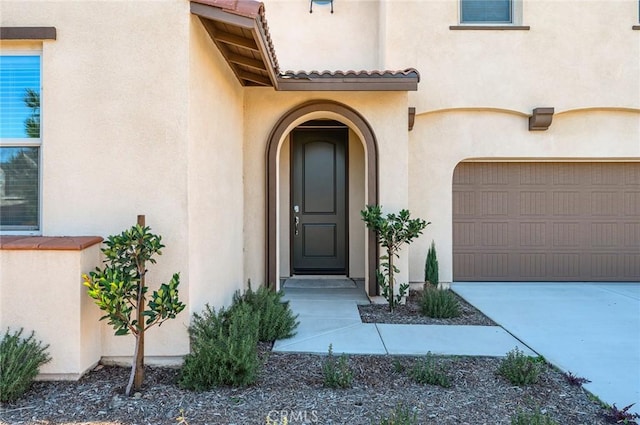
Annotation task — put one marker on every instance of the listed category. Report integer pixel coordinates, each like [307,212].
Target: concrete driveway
[589,329]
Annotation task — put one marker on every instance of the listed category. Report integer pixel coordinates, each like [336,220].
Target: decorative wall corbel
[412,117]
[541,119]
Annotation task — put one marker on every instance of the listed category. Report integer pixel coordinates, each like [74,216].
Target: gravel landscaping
[291,385]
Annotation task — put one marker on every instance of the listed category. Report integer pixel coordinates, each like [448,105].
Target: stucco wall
[42,291]
[440,141]
[114,123]
[576,54]
[215,175]
[346,39]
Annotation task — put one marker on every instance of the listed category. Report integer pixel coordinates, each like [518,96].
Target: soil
[291,386]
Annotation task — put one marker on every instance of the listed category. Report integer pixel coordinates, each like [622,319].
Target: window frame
[28,142]
[515,7]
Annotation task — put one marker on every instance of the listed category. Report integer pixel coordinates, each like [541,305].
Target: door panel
[319,201]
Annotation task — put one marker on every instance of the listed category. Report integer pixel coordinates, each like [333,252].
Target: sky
[17,73]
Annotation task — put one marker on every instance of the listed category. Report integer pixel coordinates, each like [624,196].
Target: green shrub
[223,349]
[427,371]
[431,266]
[276,318]
[439,303]
[20,360]
[535,418]
[337,373]
[520,369]
[401,415]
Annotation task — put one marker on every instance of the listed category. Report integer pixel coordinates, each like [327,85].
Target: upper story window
[20,141]
[487,11]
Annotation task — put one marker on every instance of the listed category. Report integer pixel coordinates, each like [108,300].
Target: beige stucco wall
[141,115]
[440,141]
[346,39]
[42,291]
[215,204]
[478,87]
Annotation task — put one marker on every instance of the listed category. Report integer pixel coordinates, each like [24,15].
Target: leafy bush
[223,349]
[535,418]
[431,266]
[520,369]
[574,380]
[427,371]
[337,373]
[393,231]
[439,303]
[20,360]
[276,318]
[623,416]
[120,290]
[401,415]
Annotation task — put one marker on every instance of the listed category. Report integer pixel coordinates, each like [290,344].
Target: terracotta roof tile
[409,72]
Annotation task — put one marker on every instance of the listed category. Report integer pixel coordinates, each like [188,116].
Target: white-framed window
[20,141]
[490,12]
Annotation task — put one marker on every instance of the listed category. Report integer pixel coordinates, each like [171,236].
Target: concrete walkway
[589,329]
[330,316]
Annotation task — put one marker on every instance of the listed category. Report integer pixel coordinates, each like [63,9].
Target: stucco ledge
[48,243]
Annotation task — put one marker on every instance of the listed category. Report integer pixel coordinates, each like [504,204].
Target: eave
[240,32]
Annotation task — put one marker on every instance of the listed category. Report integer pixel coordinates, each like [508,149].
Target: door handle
[296,222]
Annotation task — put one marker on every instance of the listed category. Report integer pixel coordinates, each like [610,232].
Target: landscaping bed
[292,385]
[409,313]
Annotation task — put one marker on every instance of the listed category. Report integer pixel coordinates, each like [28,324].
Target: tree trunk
[137,367]
[391,280]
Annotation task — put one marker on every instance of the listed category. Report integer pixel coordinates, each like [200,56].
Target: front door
[319,200]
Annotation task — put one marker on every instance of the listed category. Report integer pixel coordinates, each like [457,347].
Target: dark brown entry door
[319,201]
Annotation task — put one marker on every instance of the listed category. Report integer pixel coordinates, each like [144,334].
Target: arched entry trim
[351,117]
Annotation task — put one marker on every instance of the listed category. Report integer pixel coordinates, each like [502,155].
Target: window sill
[491,27]
[635,27]
[48,243]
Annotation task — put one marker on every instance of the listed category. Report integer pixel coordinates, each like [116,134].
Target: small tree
[120,290]
[393,231]
[431,266]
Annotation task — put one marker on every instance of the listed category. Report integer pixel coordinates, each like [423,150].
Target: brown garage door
[546,222]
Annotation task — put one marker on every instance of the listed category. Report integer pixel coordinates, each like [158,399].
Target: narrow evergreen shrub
[535,418]
[20,360]
[428,371]
[337,373]
[520,369]
[401,415]
[431,266]
[276,318]
[439,303]
[223,349]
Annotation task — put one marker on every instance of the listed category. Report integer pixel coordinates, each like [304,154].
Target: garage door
[546,222]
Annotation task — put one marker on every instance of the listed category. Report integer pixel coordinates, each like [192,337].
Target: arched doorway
[319,109]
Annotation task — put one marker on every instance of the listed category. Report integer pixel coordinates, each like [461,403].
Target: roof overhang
[405,80]
[239,30]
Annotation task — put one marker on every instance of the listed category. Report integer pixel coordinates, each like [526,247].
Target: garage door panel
[566,234]
[494,203]
[565,265]
[533,203]
[632,203]
[546,221]
[533,235]
[533,266]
